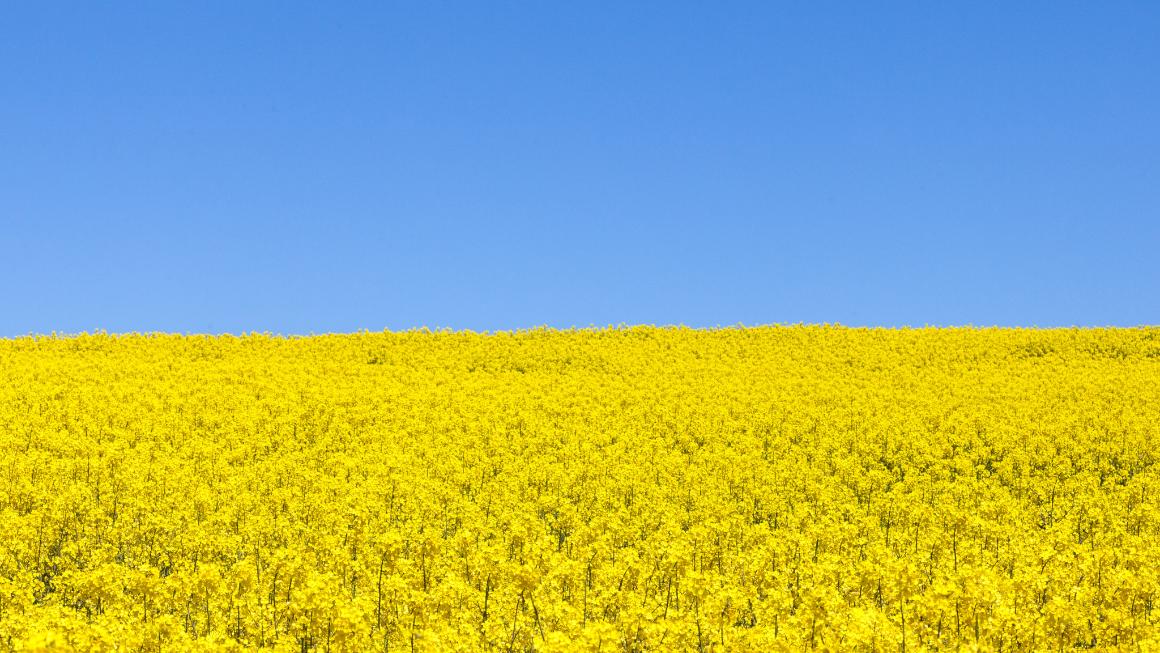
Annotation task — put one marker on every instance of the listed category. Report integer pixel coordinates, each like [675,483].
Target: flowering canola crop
[628,489]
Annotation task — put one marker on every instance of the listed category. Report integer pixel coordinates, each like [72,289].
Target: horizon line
[592,328]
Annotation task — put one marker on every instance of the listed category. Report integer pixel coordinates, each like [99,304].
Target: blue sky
[314,167]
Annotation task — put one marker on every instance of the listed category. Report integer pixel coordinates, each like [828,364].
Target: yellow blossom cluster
[622,489]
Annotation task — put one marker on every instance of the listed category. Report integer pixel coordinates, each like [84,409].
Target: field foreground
[635,489]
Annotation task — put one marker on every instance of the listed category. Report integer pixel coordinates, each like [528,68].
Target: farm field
[624,489]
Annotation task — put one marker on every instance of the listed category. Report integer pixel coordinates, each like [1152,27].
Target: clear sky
[311,167]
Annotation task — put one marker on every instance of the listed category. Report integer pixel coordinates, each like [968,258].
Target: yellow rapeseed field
[625,489]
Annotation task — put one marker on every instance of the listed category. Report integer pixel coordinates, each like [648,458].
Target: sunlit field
[631,489]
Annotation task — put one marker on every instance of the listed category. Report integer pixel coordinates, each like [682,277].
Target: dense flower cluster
[631,489]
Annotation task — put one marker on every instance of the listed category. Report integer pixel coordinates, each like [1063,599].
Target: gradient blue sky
[310,167]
